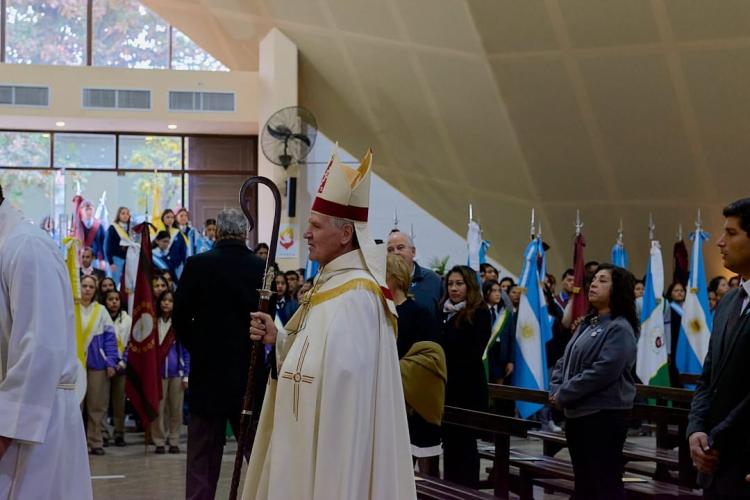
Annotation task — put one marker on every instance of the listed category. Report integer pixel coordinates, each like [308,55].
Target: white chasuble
[333,426]
[39,409]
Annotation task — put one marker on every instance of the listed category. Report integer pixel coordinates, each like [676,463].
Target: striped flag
[619,255]
[498,328]
[651,365]
[533,331]
[692,344]
[474,245]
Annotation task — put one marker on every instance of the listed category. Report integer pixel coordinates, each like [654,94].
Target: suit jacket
[96,273]
[217,293]
[464,345]
[721,405]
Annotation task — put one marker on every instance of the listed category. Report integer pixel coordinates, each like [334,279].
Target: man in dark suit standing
[719,425]
[217,293]
[87,265]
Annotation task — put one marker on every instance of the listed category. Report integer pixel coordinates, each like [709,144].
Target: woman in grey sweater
[593,384]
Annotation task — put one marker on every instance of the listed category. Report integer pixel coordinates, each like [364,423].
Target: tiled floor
[134,472]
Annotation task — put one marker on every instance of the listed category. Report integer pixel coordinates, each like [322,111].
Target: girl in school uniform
[175,368]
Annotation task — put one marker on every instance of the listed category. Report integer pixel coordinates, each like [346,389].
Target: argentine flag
[651,365]
[474,244]
[692,344]
[533,331]
[619,255]
[311,269]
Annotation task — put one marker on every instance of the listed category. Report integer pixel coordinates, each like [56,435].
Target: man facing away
[718,424]
[42,444]
[333,426]
[426,285]
[217,293]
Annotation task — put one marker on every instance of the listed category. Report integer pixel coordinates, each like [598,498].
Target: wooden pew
[664,416]
[497,429]
[432,488]
[557,475]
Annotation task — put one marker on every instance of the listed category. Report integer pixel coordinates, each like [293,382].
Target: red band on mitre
[386,292]
[333,209]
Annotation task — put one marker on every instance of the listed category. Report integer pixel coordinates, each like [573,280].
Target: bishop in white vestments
[333,425]
[42,443]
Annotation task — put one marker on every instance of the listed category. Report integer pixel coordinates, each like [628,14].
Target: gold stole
[83,334]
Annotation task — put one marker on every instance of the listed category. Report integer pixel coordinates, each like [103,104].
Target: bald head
[401,244]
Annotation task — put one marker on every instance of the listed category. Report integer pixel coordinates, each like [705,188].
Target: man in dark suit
[217,293]
[719,425]
[87,265]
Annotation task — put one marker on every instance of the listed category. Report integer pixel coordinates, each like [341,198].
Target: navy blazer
[721,405]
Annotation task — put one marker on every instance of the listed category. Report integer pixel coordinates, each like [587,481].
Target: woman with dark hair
[465,333]
[593,384]
[177,250]
[174,364]
[122,323]
[105,285]
[675,298]
[286,305]
[118,232]
[182,221]
[498,355]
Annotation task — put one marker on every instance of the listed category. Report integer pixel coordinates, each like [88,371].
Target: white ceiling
[619,108]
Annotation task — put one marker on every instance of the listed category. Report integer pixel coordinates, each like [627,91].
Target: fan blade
[302,138]
[281,134]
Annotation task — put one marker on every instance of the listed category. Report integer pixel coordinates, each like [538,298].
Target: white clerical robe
[333,426]
[39,410]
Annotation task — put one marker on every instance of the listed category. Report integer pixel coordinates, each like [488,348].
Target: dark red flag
[580,300]
[680,261]
[143,382]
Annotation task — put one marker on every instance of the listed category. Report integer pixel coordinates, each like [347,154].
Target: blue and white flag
[474,245]
[651,364]
[692,344]
[101,211]
[533,331]
[619,255]
[311,269]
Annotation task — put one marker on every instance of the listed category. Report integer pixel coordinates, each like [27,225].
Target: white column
[277,88]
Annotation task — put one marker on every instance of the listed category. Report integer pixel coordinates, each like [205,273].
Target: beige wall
[66,82]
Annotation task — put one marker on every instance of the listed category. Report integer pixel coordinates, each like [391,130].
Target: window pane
[187,55]
[24,149]
[46,32]
[128,35]
[137,192]
[30,191]
[150,152]
[84,151]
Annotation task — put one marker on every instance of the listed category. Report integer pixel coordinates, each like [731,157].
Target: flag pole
[579,224]
[533,224]
[651,227]
[679,232]
[620,233]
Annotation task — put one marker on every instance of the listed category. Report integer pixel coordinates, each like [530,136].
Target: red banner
[143,382]
[580,300]
[680,258]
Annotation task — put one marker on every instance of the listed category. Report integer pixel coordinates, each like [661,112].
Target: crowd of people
[455,334]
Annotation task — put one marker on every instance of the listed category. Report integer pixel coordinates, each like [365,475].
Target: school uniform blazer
[721,405]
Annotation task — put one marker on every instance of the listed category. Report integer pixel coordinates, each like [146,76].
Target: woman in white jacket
[122,324]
